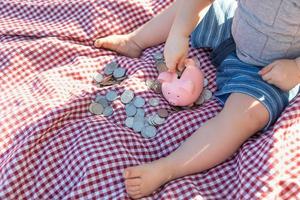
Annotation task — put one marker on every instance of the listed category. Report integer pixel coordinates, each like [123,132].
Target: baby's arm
[283,73]
[187,17]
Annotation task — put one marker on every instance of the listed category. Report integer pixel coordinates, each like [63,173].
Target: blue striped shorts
[233,75]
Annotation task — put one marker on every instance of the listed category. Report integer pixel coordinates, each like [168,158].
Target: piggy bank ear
[165,77]
[188,86]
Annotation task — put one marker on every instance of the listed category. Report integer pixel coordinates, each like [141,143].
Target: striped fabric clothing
[235,76]
[215,27]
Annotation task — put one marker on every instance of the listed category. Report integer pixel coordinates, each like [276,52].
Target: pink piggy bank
[183,91]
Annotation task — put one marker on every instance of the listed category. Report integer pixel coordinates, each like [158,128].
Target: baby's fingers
[171,64]
[181,64]
[268,78]
[266,69]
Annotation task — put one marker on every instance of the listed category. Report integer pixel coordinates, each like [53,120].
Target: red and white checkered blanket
[52,147]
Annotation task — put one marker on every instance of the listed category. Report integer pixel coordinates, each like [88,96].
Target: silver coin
[98,78]
[108,111]
[138,102]
[129,122]
[113,64]
[119,72]
[111,95]
[205,82]
[110,67]
[96,108]
[139,118]
[158,56]
[149,131]
[102,100]
[154,101]
[130,110]
[150,120]
[158,120]
[207,94]
[149,82]
[138,126]
[200,100]
[140,112]
[127,96]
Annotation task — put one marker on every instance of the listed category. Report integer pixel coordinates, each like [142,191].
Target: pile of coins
[113,74]
[136,118]
[101,105]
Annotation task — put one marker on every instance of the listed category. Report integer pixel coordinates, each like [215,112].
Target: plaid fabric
[51,147]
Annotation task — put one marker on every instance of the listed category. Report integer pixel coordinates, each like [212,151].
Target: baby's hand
[284,73]
[175,52]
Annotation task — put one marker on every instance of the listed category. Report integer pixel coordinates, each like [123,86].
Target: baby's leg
[210,145]
[150,34]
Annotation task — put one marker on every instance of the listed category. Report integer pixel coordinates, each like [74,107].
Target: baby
[255,80]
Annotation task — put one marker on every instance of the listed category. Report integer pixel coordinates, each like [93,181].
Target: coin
[110,67]
[150,120]
[127,96]
[140,112]
[96,108]
[129,122]
[153,85]
[139,102]
[207,94]
[163,113]
[139,118]
[98,78]
[138,126]
[108,111]
[149,131]
[102,100]
[119,72]
[111,95]
[158,120]
[154,101]
[205,82]
[156,87]
[161,67]
[200,100]
[130,110]
[158,56]
[149,83]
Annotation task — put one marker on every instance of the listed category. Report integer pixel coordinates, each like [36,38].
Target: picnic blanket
[52,147]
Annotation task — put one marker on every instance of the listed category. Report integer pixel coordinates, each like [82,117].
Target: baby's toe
[132,172]
[133,182]
[136,195]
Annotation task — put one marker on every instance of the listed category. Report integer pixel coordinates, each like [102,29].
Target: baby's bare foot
[122,44]
[143,180]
